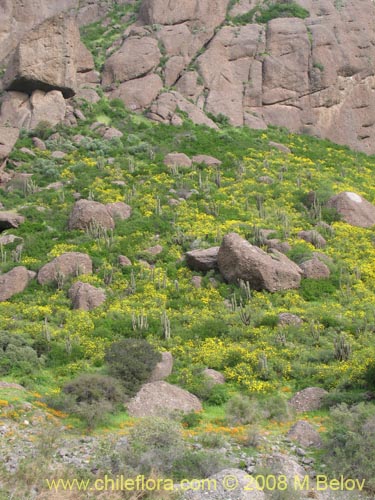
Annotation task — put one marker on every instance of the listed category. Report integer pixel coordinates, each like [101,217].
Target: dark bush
[131,361]
[91,388]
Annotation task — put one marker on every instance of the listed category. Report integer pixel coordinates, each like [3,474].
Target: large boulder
[12,282]
[87,214]
[164,368]
[353,209]
[85,296]
[160,398]
[10,220]
[305,434]
[308,399]
[45,59]
[64,266]
[239,260]
[202,260]
[230,484]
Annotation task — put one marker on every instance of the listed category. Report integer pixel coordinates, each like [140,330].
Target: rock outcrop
[12,282]
[87,214]
[239,260]
[85,296]
[308,399]
[353,209]
[164,368]
[160,398]
[202,260]
[10,220]
[305,434]
[66,265]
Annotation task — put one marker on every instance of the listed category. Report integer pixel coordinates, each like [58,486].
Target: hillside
[181,301]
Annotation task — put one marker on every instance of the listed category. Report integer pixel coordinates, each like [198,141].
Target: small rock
[313,237]
[308,399]
[124,261]
[39,144]
[280,147]
[215,376]
[58,155]
[315,268]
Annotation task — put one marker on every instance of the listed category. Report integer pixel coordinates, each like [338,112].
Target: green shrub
[191,419]
[241,410]
[203,463]
[131,361]
[312,289]
[154,444]
[91,388]
[276,408]
[264,14]
[219,395]
[349,448]
[17,356]
[335,398]
[300,253]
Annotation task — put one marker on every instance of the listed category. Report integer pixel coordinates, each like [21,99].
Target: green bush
[312,289]
[264,14]
[349,447]
[241,410]
[90,396]
[154,444]
[335,398]
[131,361]
[219,395]
[191,419]
[91,388]
[300,253]
[16,355]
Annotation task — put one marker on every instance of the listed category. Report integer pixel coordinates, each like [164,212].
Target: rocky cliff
[313,74]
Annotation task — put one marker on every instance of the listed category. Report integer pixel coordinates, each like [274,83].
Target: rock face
[137,57]
[8,138]
[15,281]
[305,434]
[202,260]
[87,214]
[18,18]
[67,264]
[241,491]
[305,74]
[85,296]
[45,59]
[239,260]
[10,220]
[164,368]
[353,209]
[160,398]
[23,111]
[308,399]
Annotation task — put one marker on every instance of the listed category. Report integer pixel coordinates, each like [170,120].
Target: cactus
[245,316]
[166,325]
[342,348]
[139,322]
